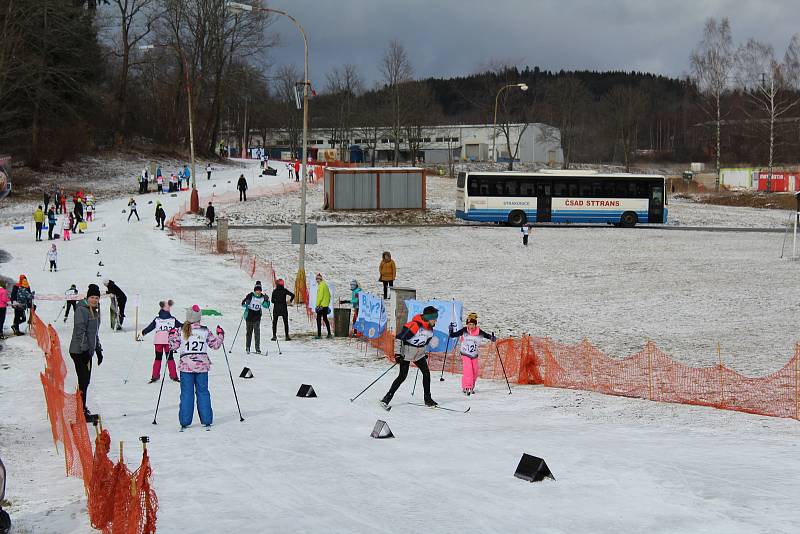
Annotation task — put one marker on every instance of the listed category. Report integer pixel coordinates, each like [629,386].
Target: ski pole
[235,396]
[444,360]
[415,382]
[275,331]
[237,329]
[133,360]
[501,365]
[59,312]
[163,377]
[373,382]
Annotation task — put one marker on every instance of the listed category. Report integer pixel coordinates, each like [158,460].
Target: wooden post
[591,363]
[721,377]
[120,451]
[796,383]
[649,370]
[222,236]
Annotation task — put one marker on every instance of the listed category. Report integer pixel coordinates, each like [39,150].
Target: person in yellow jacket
[38,218]
[322,306]
[388,271]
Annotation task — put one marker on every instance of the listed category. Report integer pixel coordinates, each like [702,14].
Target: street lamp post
[300,281]
[194,199]
[523,87]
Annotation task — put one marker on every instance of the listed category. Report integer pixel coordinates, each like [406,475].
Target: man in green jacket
[38,218]
[322,306]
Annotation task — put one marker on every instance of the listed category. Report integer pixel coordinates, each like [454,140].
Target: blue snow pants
[195,384]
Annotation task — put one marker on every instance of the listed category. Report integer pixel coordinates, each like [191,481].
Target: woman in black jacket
[280,309]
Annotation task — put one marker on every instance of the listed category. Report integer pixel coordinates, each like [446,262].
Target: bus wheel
[517,218]
[628,219]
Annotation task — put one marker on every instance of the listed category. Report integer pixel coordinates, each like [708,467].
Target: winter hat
[193,314]
[319,275]
[353,284]
[72,286]
[472,317]
[93,291]
[257,287]
[280,281]
[429,313]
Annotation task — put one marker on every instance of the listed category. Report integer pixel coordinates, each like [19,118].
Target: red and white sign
[781,182]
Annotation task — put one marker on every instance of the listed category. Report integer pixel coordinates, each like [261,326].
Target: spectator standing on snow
[85,341]
[159,185]
[253,303]
[355,289]
[78,211]
[208,170]
[471,337]
[38,219]
[526,231]
[322,306]
[57,200]
[187,175]
[21,300]
[290,170]
[163,323]
[52,257]
[161,215]
[388,272]
[46,200]
[51,222]
[70,295]
[121,299]
[210,215]
[63,201]
[296,170]
[241,185]
[280,308]
[4,300]
[66,227]
[132,210]
[193,340]
[416,333]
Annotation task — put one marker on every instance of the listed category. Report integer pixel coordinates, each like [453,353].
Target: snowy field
[309,465]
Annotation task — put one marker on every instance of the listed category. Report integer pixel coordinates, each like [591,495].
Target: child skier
[253,303]
[416,333]
[132,210]
[52,257]
[160,184]
[71,300]
[162,324]
[470,341]
[193,340]
[66,227]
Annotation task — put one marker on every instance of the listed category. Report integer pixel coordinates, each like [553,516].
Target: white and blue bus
[517,198]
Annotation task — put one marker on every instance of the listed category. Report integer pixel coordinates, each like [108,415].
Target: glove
[318,309]
[494,338]
[220,331]
[398,358]
[99,357]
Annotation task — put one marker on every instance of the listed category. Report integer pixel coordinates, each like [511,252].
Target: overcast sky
[452,37]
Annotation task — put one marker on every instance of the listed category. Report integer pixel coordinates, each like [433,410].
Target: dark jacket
[241,185]
[113,289]
[22,295]
[210,213]
[160,214]
[416,333]
[254,315]
[86,330]
[162,314]
[279,300]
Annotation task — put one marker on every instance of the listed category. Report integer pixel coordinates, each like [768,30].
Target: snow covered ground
[309,465]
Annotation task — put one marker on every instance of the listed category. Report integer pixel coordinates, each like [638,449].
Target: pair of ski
[207,427]
[388,408]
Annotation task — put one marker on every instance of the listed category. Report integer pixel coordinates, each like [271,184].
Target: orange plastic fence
[118,502]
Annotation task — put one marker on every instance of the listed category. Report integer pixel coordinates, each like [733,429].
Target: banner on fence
[371,321]
[450,311]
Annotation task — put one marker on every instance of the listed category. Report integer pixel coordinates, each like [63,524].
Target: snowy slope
[309,465]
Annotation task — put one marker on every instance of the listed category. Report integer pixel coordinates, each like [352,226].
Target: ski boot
[153,379]
[430,403]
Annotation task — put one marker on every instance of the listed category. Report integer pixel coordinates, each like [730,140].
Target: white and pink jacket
[194,350]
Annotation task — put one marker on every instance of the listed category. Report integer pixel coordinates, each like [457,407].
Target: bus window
[473,186]
[497,188]
[511,188]
[597,189]
[527,189]
[484,187]
[584,189]
[641,190]
[621,189]
[631,190]
[559,189]
[462,176]
[572,189]
[608,189]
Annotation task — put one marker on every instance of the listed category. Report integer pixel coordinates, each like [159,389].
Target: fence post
[591,363]
[721,377]
[796,383]
[649,370]
[222,236]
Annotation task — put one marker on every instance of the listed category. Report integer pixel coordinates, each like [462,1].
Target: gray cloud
[455,37]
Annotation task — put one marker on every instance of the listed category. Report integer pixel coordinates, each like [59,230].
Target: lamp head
[523,86]
[238,7]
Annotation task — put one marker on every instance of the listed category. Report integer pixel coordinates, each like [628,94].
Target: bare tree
[396,70]
[344,86]
[135,20]
[624,106]
[371,118]
[712,64]
[567,98]
[770,85]
[287,79]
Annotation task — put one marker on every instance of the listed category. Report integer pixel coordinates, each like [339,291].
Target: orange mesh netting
[144,501]
[100,512]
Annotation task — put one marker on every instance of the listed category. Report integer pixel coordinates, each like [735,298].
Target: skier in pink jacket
[193,341]
[162,324]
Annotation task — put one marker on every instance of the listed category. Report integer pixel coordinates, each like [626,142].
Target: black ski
[439,407]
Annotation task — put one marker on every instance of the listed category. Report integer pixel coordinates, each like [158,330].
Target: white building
[532,143]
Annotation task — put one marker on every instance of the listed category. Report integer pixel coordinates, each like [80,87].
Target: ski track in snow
[309,465]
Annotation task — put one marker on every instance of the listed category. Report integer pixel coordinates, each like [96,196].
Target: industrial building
[534,143]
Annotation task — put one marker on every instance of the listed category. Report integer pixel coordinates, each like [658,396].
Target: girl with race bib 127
[193,341]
